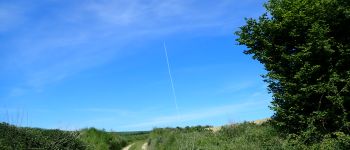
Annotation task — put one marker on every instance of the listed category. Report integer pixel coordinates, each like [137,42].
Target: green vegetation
[18,138]
[15,138]
[305,47]
[101,140]
[137,145]
[133,136]
[240,136]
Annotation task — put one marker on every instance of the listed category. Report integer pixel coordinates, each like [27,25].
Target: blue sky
[74,64]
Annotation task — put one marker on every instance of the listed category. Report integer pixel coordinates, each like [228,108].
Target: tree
[305,47]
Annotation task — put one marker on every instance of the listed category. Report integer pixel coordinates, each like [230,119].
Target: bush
[305,48]
[101,140]
[338,141]
[134,135]
[239,136]
[17,138]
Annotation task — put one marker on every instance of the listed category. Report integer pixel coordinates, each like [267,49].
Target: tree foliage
[305,47]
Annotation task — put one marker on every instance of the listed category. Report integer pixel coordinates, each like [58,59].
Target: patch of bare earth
[261,121]
[258,122]
[144,146]
[128,147]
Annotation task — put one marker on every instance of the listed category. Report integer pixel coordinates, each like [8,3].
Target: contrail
[171,79]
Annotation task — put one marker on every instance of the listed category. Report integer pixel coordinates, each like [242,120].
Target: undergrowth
[237,136]
[244,136]
[18,138]
[100,140]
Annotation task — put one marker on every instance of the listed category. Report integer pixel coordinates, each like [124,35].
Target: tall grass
[242,136]
[134,136]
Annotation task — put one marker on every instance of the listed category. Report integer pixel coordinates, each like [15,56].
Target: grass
[242,136]
[134,136]
[238,136]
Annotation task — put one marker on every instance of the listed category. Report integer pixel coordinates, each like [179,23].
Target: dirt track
[128,147]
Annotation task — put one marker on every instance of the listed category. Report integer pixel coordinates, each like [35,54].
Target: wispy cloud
[151,14]
[10,16]
[197,115]
[236,87]
[114,111]
[47,42]
[17,92]
[68,40]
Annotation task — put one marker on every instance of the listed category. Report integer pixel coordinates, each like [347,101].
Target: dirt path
[137,145]
[144,146]
[128,147]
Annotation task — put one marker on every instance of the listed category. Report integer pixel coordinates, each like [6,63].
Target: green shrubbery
[336,141]
[100,140]
[242,136]
[16,138]
[239,136]
[134,135]
[304,46]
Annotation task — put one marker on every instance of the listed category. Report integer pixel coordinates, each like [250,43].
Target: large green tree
[305,47]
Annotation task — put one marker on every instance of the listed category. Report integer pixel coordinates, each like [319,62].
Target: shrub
[98,139]
[305,48]
[239,136]
[17,138]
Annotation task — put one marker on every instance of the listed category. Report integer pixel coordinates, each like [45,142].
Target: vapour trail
[171,79]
